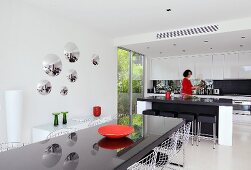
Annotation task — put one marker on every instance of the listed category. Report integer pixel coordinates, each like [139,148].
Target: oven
[242,107]
[242,112]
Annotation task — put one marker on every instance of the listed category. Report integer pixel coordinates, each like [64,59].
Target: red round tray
[115,131]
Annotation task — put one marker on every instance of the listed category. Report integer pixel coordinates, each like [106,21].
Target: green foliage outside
[123,80]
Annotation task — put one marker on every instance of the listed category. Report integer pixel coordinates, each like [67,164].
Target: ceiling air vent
[187,32]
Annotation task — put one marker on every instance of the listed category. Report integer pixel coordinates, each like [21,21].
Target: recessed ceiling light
[160,52]
[243,37]
[183,50]
[147,47]
[174,44]
[211,48]
[168,10]
[206,41]
[241,45]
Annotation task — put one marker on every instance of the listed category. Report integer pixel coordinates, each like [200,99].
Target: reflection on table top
[89,150]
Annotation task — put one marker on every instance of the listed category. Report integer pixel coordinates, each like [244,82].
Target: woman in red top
[187,86]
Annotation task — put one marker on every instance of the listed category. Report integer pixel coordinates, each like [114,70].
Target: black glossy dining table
[86,149]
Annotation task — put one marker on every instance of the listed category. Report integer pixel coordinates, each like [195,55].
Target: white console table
[41,132]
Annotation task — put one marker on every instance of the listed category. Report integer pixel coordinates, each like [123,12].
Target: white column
[225,129]
[143,105]
[13,110]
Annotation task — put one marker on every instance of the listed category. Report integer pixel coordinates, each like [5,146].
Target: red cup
[168,95]
[96,111]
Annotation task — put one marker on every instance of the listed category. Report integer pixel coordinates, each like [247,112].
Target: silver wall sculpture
[52,65]
[64,91]
[44,87]
[71,52]
[72,75]
[95,59]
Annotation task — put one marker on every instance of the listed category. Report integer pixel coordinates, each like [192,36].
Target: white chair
[184,135]
[159,157]
[166,151]
[162,157]
[10,145]
[147,163]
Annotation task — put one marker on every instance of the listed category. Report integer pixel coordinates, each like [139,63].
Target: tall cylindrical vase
[14,110]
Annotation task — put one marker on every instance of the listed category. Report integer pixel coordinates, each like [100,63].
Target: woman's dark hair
[186,73]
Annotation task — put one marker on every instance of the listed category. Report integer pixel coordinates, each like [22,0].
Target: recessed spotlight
[211,48]
[183,50]
[241,45]
[206,41]
[147,47]
[160,52]
[174,44]
[168,10]
[243,37]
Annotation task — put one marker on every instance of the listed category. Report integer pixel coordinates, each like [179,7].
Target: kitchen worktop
[193,101]
[244,97]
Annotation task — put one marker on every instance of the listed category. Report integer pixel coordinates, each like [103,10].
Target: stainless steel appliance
[242,112]
[242,107]
[217,91]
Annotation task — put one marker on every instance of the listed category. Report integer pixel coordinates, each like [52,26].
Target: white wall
[27,34]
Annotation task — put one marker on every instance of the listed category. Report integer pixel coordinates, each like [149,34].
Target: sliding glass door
[130,80]
[130,87]
[137,79]
[123,82]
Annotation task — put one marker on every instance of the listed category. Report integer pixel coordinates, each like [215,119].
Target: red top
[186,86]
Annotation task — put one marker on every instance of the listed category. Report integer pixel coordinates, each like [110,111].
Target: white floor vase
[14,110]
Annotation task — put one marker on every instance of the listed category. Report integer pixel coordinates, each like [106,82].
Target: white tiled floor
[237,157]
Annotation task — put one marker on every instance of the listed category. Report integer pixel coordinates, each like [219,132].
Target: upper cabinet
[245,65]
[218,67]
[231,67]
[157,69]
[186,63]
[209,66]
[203,67]
[172,68]
[165,68]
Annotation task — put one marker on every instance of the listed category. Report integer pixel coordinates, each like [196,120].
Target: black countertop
[192,101]
[92,148]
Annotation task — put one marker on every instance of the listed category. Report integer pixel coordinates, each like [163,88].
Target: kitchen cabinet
[203,67]
[245,65]
[172,68]
[218,67]
[231,67]
[186,63]
[165,68]
[157,69]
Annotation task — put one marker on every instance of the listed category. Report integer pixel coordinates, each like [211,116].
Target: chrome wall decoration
[72,75]
[44,87]
[52,155]
[71,161]
[71,52]
[64,91]
[95,59]
[52,65]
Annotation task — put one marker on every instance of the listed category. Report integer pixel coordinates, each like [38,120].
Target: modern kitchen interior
[128,85]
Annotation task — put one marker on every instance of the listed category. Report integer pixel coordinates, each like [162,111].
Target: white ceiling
[118,18]
[221,42]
